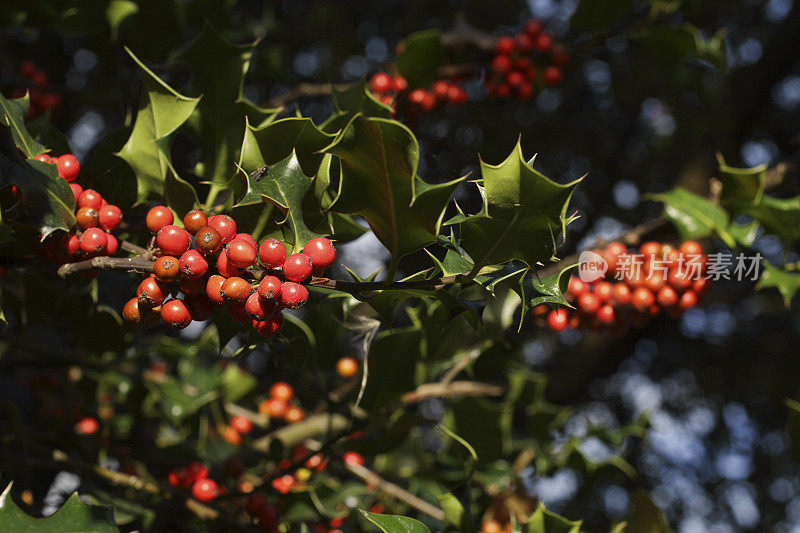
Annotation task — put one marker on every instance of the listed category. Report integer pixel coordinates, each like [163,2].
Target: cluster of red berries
[525,63]
[658,277]
[279,404]
[207,261]
[95,219]
[43,97]
[390,89]
[195,475]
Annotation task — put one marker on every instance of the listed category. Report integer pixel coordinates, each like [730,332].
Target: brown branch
[451,390]
[133,248]
[106,263]
[294,434]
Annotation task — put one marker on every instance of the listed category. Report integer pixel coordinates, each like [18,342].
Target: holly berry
[68,167]
[558,319]
[272,253]
[241,424]
[77,190]
[273,408]
[283,484]
[175,314]
[151,292]
[422,99]
[200,307]
[543,42]
[501,64]
[606,315]
[192,264]
[293,295]
[439,89]
[109,217]
[270,326]
[667,297]
[258,308]
[172,240]
[381,83]
[235,289]
[552,75]
[589,303]
[205,490]
[157,218]
[87,426]
[93,241]
[131,311]
[44,158]
[347,367]
[166,269]
[400,84]
[207,240]
[642,299]
[504,45]
[246,237]
[194,221]
[87,217]
[90,198]
[690,248]
[225,225]
[193,287]
[73,246]
[576,287]
[281,391]
[214,289]
[294,415]
[270,288]
[241,253]
[622,293]
[231,435]
[353,458]
[533,27]
[688,299]
[297,267]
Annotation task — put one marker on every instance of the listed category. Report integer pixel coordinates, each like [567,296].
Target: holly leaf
[378,181]
[523,212]
[390,367]
[394,523]
[46,201]
[74,515]
[741,187]
[485,424]
[352,101]
[645,516]
[544,521]
[162,110]
[422,55]
[694,216]
[787,283]
[12,115]
[284,185]
[779,216]
[217,123]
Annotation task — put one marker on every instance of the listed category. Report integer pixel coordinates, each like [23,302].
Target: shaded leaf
[741,187]
[645,517]
[268,144]
[395,524]
[390,366]
[695,217]
[13,116]
[421,57]
[544,521]
[593,15]
[74,515]
[787,283]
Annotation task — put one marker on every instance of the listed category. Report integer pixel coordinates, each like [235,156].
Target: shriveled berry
[270,288]
[90,198]
[207,240]
[272,253]
[87,217]
[241,253]
[158,217]
[192,264]
[225,225]
[172,240]
[213,289]
[293,295]
[235,289]
[151,292]
[109,217]
[167,269]
[297,267]
[194,221]
[270,326]
[93,240]
[68,167]
[175,314]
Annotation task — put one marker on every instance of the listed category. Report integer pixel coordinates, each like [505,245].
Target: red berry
[688,299]
[667,297]
[297,267]
[247,237]
[44,158]
[604,291]
[213,289]
[258,308]
[270,288]
[272,253]
[273,408]
[241,253]
[90,198]
[173,240]
[87,217]
[501,64]
[73,246]
[589,303]
[515,78]
[622,293]
[205,490]
[110,217]
[557,319]
[400,84]
[689,248]
[606,314]
[456,95]
[533,27]
[131,311]
[543,42]
[241,424]
[270,326]
[226,268]
[192,264]
[524,91]
[235,289]
[701,285]
[93,240]
[321,252]
[195,471]
[552,75]
[504,45]
[422,99]
[200,307]
[194,221]
[650,249]
[680,280]
[283,484]
[193,287]
[504,90]
[175,314]
[158,217]
[524,43]
[151,292]
[207,240]
[560,54]
[225,225]
[166,269]
[353,458]
[281,391]
[68,167]
[293,295]
[87,426]
[77,190]
[440,89]
[294,414]
[642,299]
[381,83]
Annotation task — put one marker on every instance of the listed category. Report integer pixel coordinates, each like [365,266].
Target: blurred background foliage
[650,94]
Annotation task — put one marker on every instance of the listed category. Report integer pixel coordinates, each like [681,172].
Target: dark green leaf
[73,516]
[779,216]
[485,424]
[741,187]
[107,172]
[645,517]
[351,101]
[390,366]
[421,57]
[544,521]
[695,217]
[787,283]
[395,524]
[13,116]
[454,513]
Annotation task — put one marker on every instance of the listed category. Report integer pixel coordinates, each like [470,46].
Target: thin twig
[452,390]
[107,263]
